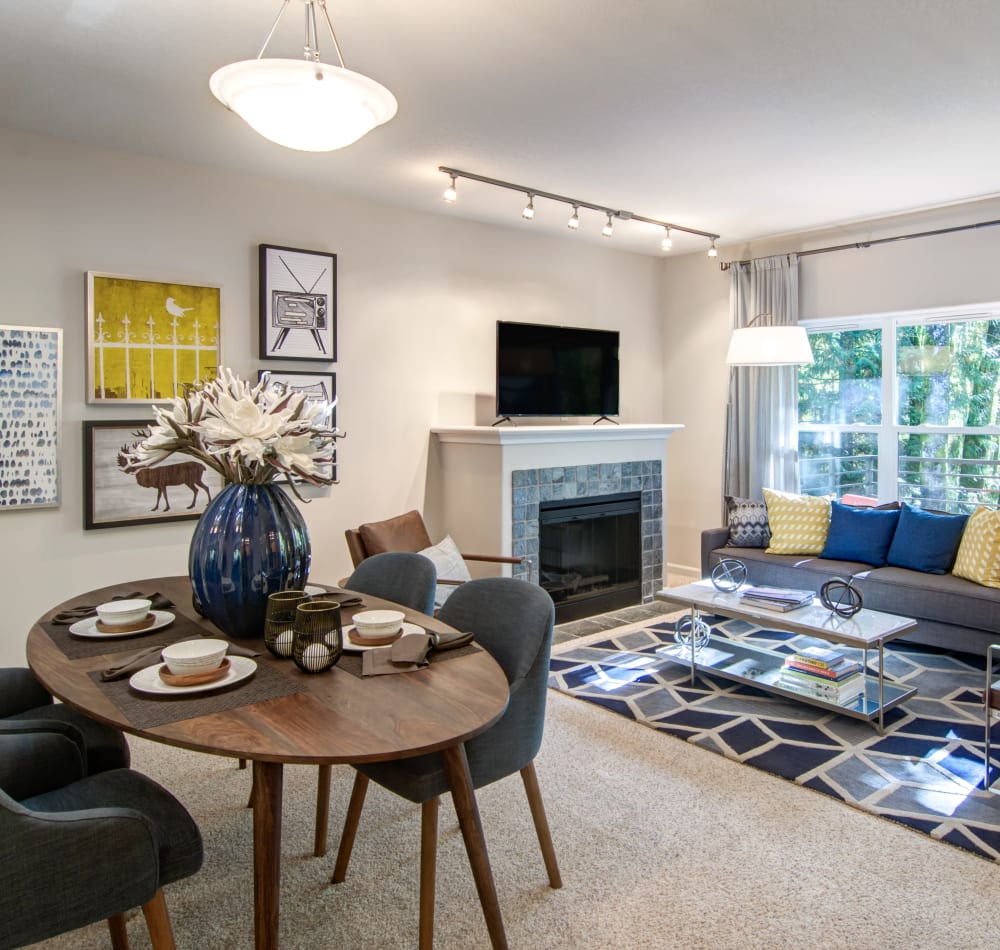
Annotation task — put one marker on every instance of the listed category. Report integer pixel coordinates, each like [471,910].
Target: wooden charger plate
[146,621]
[360,641]
[194,679]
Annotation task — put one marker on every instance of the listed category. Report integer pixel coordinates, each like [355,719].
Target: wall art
[148,339]
[298,304]
[177,489]
[30,407]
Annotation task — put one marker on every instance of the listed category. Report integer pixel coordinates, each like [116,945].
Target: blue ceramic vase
[250,541]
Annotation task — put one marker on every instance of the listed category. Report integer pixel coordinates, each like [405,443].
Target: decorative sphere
[316,657]
[839,596]
[729,574]
[283,643]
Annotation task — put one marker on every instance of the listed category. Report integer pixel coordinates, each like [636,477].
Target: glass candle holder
[279,621]
[319,637]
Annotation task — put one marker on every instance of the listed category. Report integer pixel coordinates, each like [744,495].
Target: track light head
[608,228]
[712,252]
[574,221]
[667,241]
[529,208]
[450,194]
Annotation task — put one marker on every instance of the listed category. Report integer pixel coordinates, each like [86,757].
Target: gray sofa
[952,613]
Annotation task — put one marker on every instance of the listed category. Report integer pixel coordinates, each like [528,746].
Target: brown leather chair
[405,532]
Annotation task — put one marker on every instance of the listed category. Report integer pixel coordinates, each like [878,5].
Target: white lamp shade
[309,106]
[769,346]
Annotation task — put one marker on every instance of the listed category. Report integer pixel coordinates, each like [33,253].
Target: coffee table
[760,667]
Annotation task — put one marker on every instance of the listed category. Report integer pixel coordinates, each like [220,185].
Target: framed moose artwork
[178,489]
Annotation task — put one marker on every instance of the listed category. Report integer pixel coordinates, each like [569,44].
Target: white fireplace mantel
[472,470]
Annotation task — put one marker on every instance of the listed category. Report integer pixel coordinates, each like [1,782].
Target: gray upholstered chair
[75,849]
[24,699]
[513,620]
[404,578]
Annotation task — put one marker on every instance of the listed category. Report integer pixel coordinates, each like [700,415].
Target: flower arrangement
[249,434]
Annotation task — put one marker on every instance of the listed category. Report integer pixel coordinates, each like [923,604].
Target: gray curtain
[761,428]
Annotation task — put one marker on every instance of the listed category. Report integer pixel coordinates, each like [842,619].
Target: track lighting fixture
[574,222]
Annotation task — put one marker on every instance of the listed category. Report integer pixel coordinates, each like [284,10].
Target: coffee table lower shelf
[760,667]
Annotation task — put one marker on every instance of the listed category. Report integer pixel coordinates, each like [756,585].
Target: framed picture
[318,387]
[298,304]
[148,339]
[30,401]
[178,489]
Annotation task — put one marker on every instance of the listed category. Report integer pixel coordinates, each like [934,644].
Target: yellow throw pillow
[978,557]
[799,523]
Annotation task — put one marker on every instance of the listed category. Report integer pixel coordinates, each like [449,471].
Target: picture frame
[319,387]
[113,498]
[30,417]
[298,304]
[148,339]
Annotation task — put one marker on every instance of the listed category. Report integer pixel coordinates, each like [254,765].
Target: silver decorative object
[841,597]
[729,574]
[690,629]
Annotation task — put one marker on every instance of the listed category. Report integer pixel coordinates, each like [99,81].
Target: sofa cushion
[747,522]
[860,534]
[925,541]
[978,557]
[798,523]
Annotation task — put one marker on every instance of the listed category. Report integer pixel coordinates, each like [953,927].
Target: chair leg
[253,787]
[161,936]
[534,794]
[322,810]
[354,807]
[243,763]
[428,870]
[119,935]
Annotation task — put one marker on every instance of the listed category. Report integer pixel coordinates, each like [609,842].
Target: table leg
[464,796]
[881,689]
[268,781]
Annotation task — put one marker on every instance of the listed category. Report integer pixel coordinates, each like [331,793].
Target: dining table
[280,715]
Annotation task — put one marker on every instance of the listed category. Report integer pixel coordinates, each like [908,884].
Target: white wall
[418,299]
[937,271]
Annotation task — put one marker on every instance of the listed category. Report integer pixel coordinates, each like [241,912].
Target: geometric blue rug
[926,772]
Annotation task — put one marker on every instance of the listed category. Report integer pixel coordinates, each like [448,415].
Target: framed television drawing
[298,304]
[178,489]
[318,387]
[30,409]
[148,339]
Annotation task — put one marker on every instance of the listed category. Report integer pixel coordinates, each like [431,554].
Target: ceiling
[746,118]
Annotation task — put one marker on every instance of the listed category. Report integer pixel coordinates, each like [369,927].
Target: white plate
[88,627]
[351,647]
[148,680]
[313,591]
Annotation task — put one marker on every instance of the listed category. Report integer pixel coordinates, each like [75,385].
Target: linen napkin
[406,654]
[150,656]
[72,614]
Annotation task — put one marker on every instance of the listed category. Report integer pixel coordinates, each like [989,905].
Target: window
[926,431]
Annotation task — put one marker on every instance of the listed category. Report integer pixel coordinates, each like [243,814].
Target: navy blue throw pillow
[925,541]
[860,534]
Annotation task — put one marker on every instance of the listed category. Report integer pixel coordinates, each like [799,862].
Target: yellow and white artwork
[147,339]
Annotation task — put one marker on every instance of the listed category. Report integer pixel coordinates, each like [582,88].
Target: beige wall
[419,296]
[939,271]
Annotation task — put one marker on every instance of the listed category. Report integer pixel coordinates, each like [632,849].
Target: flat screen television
[556,371]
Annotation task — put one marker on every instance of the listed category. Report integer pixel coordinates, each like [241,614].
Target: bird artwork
[175,309]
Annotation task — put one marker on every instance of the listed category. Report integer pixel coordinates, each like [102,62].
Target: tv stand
[503,419]
[606,418]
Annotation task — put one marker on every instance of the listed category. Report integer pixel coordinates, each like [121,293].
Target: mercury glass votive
[279,621]
[319,637]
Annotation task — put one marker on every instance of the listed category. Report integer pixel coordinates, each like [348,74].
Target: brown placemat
[351,662]
[145,711]
[78,648]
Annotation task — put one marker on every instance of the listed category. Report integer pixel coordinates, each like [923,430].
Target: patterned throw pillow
[978,556]
[747,522]
[799,523]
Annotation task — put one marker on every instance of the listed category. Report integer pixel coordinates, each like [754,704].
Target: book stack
[776,598]
[822,673]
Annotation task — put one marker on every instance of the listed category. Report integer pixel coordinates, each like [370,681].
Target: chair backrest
[406,532]
[513,620]
[402,577]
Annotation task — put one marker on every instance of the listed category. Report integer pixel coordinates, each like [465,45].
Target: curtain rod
[725,265]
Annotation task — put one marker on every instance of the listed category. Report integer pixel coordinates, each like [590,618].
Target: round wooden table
[336,718]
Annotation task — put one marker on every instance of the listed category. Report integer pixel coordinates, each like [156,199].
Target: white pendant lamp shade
[769,346]
[310,106]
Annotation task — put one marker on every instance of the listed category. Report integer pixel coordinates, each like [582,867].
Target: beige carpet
[662,845]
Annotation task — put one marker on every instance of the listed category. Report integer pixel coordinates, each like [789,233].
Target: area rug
[926,772]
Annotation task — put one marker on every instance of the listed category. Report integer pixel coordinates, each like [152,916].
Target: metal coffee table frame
[866,630]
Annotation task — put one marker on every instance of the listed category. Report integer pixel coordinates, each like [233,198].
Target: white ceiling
[747,118]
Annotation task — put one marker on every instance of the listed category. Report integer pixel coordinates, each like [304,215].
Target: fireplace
[590,553]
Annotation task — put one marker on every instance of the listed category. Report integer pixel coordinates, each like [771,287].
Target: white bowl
[194,656]
[373,624]
[117,613]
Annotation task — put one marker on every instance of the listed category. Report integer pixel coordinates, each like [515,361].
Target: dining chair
[404,578]
[24,699]
[513,621]
[991,704]
[76,848]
